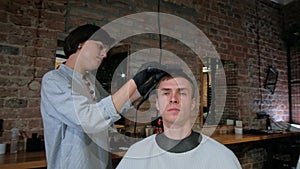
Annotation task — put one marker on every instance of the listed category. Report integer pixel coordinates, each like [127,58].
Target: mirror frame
[271,80]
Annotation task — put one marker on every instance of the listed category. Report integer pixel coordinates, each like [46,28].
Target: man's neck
[71,63]
[177,132]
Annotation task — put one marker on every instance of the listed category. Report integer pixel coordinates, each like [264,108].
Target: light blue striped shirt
[75,127]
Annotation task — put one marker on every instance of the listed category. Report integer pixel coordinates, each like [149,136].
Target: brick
[34,85]
[1,105]
[55,25]
[21,61]
[26,71]
[21,21]
[15,103]
[20,40]
[29,51]
[43,52]
[8,113]
[13,82]
[57,7]
[47,34]
[25,92]
[35,102]
[9,50]
[29,31]
[3,17]
[8,92]
[40,72]
[44,62]
[30,112]
[34,124]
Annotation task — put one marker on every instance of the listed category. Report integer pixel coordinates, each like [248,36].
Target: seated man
[178,146]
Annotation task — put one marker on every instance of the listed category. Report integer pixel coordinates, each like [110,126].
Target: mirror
[115,64]
[209,75]
[113,72]
[271,80]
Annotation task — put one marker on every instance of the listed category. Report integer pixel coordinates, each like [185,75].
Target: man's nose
[174,98]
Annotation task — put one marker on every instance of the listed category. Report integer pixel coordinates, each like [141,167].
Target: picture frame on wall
[271,79]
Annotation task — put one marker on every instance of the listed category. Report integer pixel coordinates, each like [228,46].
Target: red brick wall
[27,50]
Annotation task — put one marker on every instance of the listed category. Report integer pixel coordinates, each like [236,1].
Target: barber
[76,111]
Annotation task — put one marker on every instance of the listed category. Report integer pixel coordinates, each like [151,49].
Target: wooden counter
[26,160]
[23,160]
[227,139]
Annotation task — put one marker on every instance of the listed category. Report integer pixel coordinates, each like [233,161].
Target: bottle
[14,140]
[160,125]
[268,123]
[148,130]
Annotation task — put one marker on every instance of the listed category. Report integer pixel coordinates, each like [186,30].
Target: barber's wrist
[132,82]
[135,97]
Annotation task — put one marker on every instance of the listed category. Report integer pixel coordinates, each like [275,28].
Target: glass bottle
[14,140]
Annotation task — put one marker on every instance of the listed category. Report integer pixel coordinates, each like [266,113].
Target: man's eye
[183,93]
[103,46]
[165,93]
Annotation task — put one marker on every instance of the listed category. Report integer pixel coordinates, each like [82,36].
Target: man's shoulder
[214,146]
[143,142]
[50,74]
[145,145]
[55,75]
[215,151]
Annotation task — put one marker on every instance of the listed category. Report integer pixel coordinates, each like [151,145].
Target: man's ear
[80,45]
[156,104]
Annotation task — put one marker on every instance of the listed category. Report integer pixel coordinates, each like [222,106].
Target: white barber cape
[209,154]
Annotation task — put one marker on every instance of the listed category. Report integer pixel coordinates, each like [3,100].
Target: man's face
[92,54]
[175,101]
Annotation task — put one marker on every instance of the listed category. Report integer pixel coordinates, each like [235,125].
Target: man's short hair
[173,73]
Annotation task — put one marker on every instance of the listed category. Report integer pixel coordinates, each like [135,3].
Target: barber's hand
[147,71]
[151,84]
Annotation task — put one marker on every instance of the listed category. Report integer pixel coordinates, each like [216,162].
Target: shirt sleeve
[69,103]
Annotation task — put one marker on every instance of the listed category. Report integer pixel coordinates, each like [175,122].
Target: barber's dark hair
[77,36]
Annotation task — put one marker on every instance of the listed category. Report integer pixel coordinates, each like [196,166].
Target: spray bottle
[14,140]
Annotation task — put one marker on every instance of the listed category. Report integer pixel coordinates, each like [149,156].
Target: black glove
[147,88]
[147,73]
[151,84]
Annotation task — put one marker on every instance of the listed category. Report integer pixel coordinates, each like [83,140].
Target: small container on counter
[14,140]
[148,130]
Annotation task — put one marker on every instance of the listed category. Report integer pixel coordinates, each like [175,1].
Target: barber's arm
[126,92]
[71,105]
[138,86]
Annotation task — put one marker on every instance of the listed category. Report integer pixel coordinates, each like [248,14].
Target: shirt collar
[70,72]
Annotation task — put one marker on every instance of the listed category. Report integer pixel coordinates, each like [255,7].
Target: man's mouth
[99,59]
[173,109]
